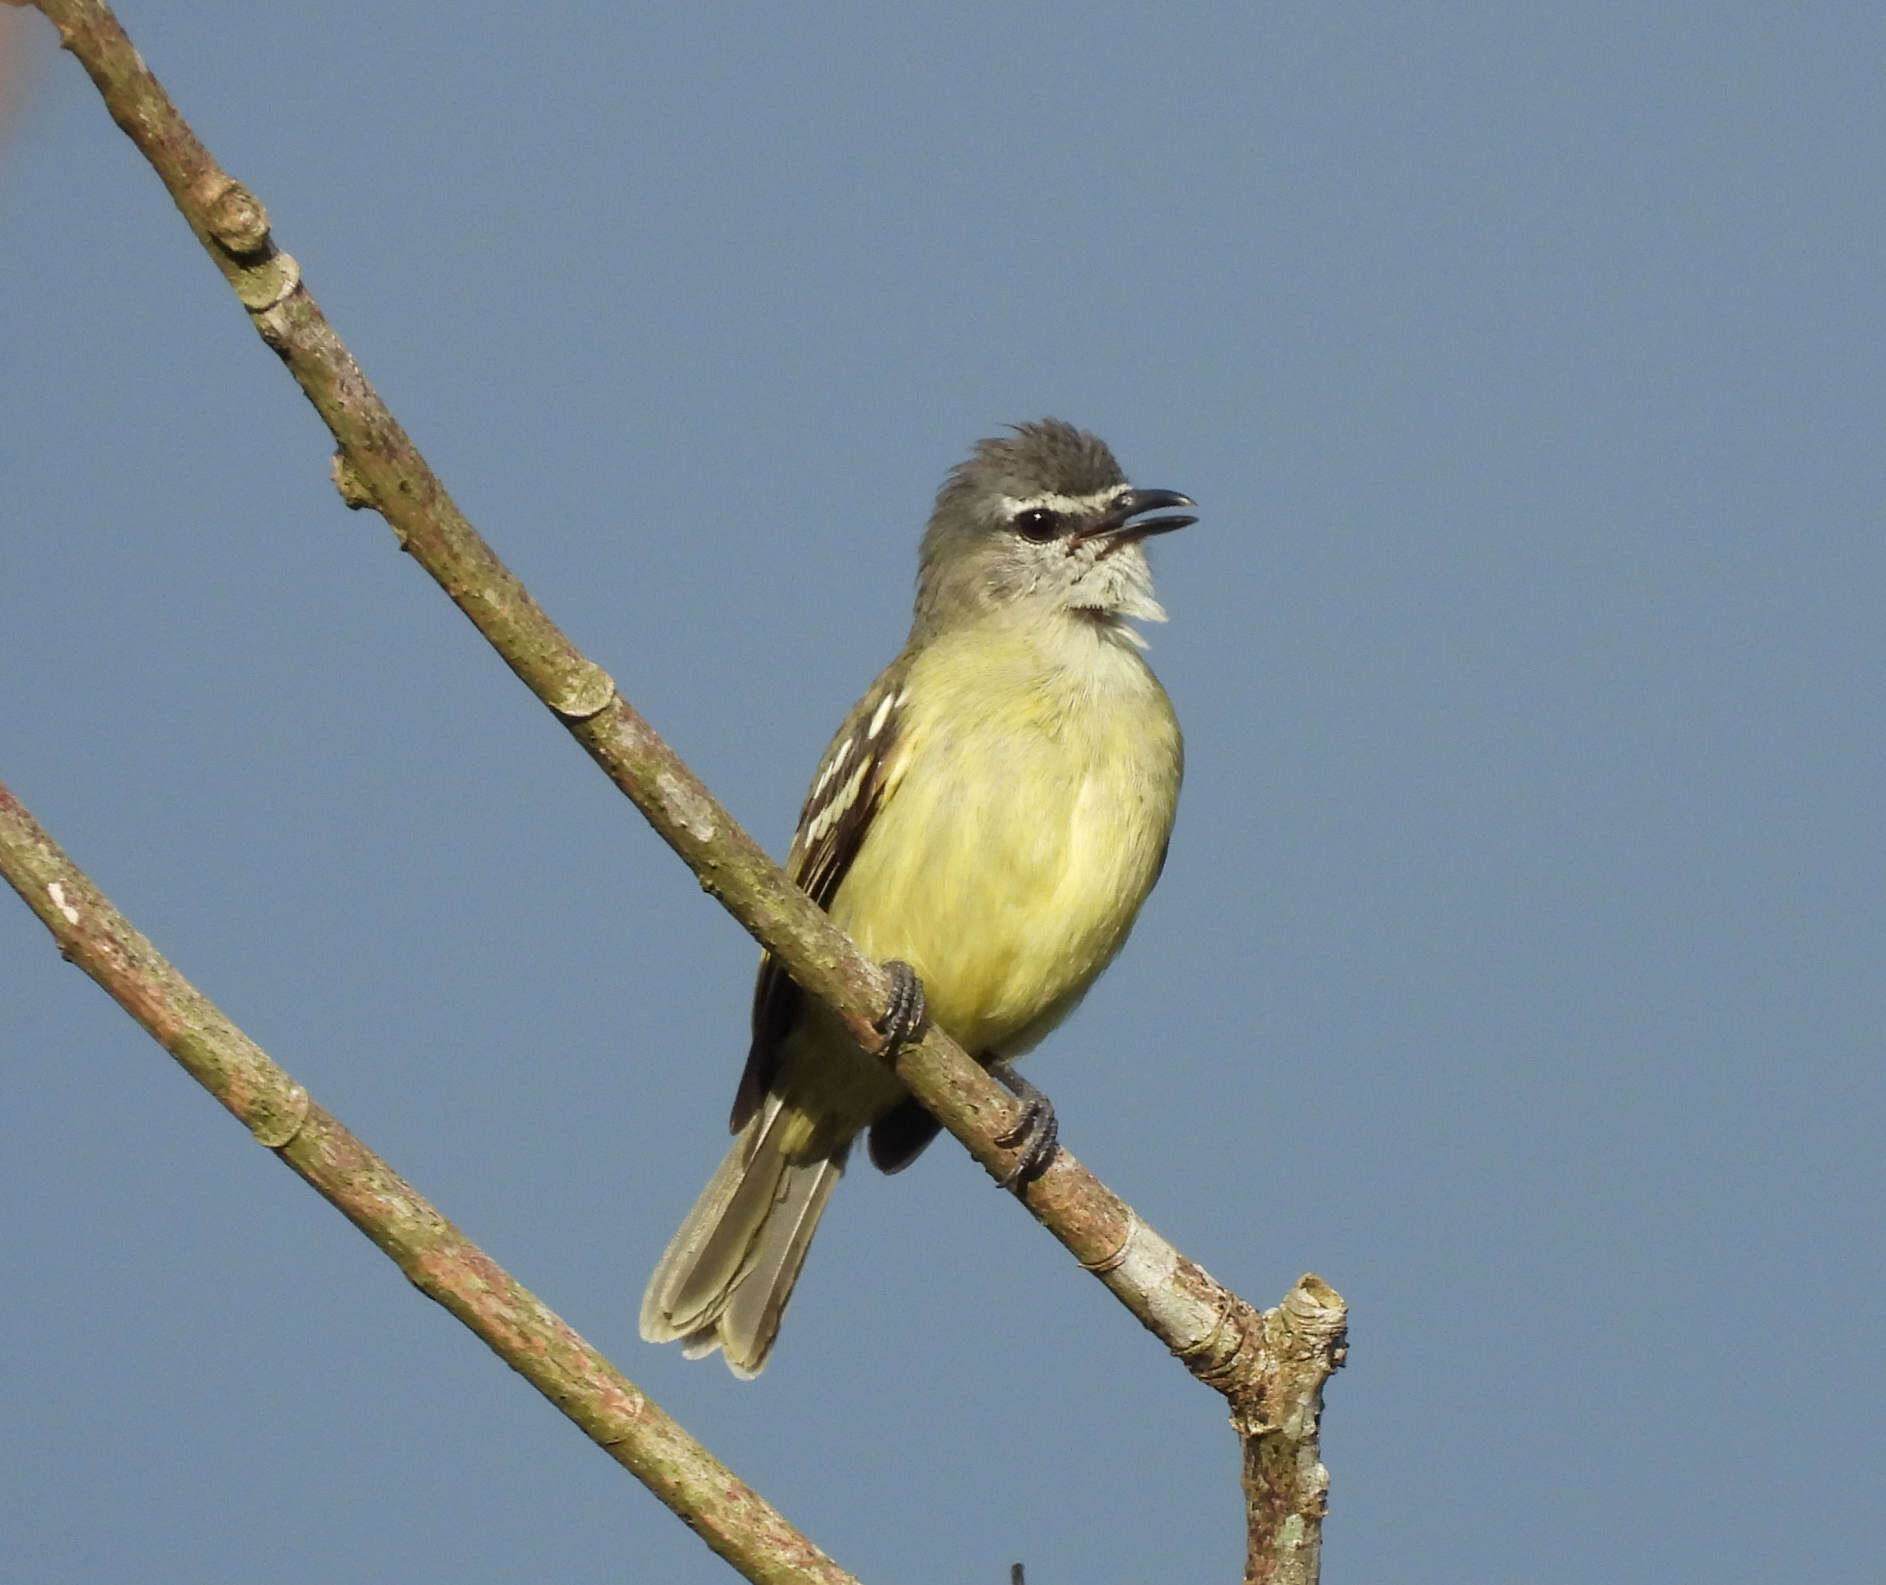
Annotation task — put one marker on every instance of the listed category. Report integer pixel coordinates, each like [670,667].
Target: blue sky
[1517,964]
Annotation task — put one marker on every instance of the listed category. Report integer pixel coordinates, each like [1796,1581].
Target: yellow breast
[1025,820]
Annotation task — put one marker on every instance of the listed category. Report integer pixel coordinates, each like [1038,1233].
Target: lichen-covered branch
[1285,1484]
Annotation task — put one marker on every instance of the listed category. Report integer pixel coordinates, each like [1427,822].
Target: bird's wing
[859,771]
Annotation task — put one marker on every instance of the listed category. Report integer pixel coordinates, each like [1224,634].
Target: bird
[987,821]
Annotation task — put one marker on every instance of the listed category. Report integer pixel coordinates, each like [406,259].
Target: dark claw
[1036,1134]
[904,1014]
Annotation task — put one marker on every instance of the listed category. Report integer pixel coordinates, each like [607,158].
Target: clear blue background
[1518,964]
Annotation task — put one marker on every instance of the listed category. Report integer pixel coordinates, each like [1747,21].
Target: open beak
[1118,526]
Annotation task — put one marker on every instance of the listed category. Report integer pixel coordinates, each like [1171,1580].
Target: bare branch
[440,1261]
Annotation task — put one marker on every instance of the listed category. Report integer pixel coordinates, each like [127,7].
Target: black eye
[1037,524]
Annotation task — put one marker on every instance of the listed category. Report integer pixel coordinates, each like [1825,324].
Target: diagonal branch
[441,1262]
[1270,1366]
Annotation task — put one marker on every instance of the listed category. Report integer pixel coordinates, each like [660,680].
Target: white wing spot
[882,714]
[825,818]
[836,758]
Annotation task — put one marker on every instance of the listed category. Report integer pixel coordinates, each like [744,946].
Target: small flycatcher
[992,813]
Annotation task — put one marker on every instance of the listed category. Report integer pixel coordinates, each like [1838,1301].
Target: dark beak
[1118,524]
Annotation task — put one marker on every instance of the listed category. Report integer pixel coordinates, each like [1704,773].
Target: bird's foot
[904,1014]
[1035,1135]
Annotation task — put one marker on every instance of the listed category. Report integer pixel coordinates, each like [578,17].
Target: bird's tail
[725,1277]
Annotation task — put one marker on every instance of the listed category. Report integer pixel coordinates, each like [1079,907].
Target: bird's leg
[1036,1134]
[904,1014]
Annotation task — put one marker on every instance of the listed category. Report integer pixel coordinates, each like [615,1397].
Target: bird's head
[1042,522]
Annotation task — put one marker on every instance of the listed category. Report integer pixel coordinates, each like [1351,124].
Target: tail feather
[725,1277]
